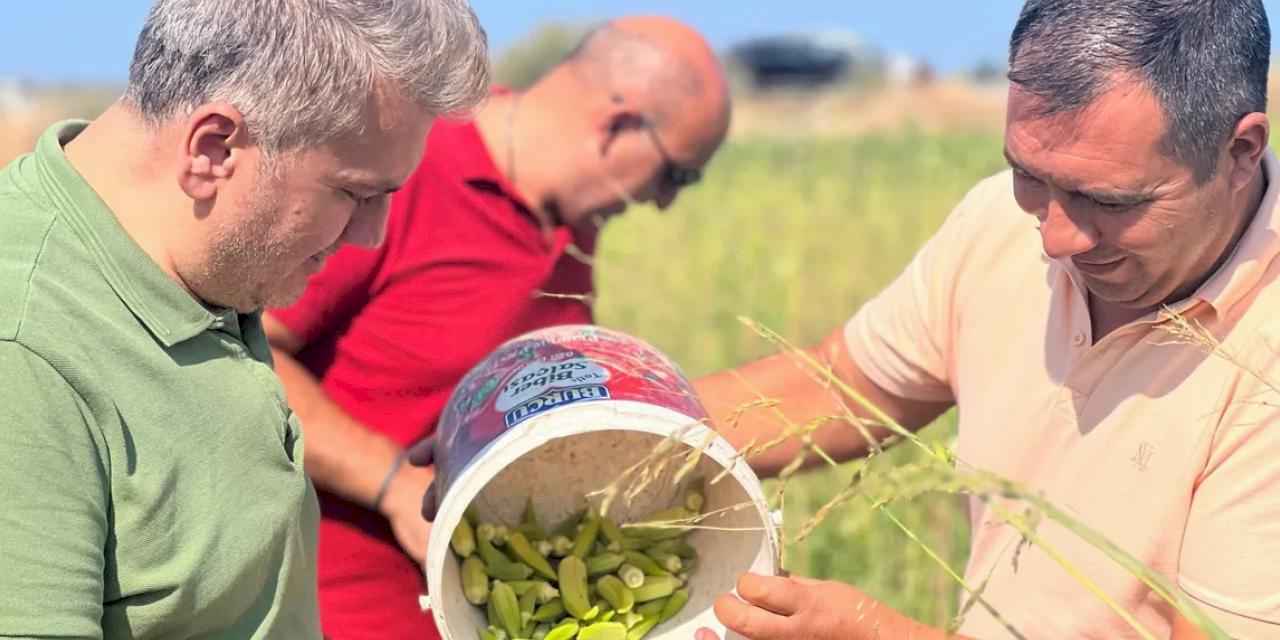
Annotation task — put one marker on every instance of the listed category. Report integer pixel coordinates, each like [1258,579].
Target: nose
[367,228]
[1064,234]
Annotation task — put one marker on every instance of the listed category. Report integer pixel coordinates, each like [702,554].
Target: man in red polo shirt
[492,237]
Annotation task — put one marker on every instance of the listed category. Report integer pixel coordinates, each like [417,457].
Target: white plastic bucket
[563,412]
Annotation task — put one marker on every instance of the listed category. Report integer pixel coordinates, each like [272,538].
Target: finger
[782,596]
[423,452]
[751,622]
[429,503]
[705,634]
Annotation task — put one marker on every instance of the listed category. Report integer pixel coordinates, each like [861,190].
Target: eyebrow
[1103,195]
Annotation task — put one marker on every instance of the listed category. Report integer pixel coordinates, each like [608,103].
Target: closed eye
[358,199]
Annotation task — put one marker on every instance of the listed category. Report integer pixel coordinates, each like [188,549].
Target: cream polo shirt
[1167,450]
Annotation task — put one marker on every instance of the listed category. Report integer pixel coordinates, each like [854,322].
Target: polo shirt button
[1078,339]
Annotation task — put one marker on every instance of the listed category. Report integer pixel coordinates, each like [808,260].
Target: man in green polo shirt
[152,474]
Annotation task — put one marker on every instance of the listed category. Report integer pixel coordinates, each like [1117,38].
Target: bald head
[633,115]
[663,66]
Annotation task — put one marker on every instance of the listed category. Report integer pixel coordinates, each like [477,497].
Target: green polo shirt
[151,470]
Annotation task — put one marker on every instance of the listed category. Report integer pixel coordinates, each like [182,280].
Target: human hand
[791,608]
[422,454]
[401,506]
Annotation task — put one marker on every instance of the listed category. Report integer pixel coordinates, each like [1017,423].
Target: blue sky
[91,40]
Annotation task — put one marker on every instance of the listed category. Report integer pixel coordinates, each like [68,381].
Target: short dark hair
[1206,62]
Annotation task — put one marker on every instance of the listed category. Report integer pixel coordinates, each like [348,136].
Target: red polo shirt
[389,332]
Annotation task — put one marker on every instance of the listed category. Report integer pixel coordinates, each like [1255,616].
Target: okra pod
[678,546]
[586,537]
[648,565]
[507,607]
[475,581]
[528,602]
[642,628]
[695,496]
[500,535]
[669,561]
[523,550]
[652,608]
[564,631]
[463,540]
[674,604]
[604,563]
[544,547]
[573,587]
[529,525]
[612,534]
[616,593]
[549,612]
[631,575]
[655,587]
[604,631]
[631,619]
[561,546]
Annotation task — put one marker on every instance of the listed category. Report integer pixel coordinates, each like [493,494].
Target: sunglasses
[674,174]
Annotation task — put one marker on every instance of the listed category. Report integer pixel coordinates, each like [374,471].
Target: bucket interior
[559,473]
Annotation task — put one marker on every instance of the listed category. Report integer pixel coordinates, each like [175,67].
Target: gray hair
[303,71]
[1205,61]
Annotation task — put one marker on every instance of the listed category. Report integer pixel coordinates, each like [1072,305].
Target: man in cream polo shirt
[152,474]
[1140,187]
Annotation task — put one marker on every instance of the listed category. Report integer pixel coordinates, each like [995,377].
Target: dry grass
[944,106]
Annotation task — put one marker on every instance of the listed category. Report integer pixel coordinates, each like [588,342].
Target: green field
[797,234]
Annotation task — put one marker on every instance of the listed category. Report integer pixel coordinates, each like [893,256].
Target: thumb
[423,452]
[705,634]
[429,503]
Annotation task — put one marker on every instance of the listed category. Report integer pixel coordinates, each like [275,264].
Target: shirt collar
[1253,253]
[167,310]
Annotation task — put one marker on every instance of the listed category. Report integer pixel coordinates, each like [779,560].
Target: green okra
[587,536]
[642,628]
[529,525]
[678,546]
[630,619]
[525,552]
[564,631]
[573,587]
[507,607]
[695,497]
[604,563]
[674,604]
[604,631]
[463,540]
[569,527]
[475,581]
[648,565]
[669,561]
[652,608]
[549,612]
[612,534]
[631,575]
[528,603]
[616,593]
[561,546]
[656,587]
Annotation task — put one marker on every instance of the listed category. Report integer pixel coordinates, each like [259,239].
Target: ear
[214,141]
[1244,151]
